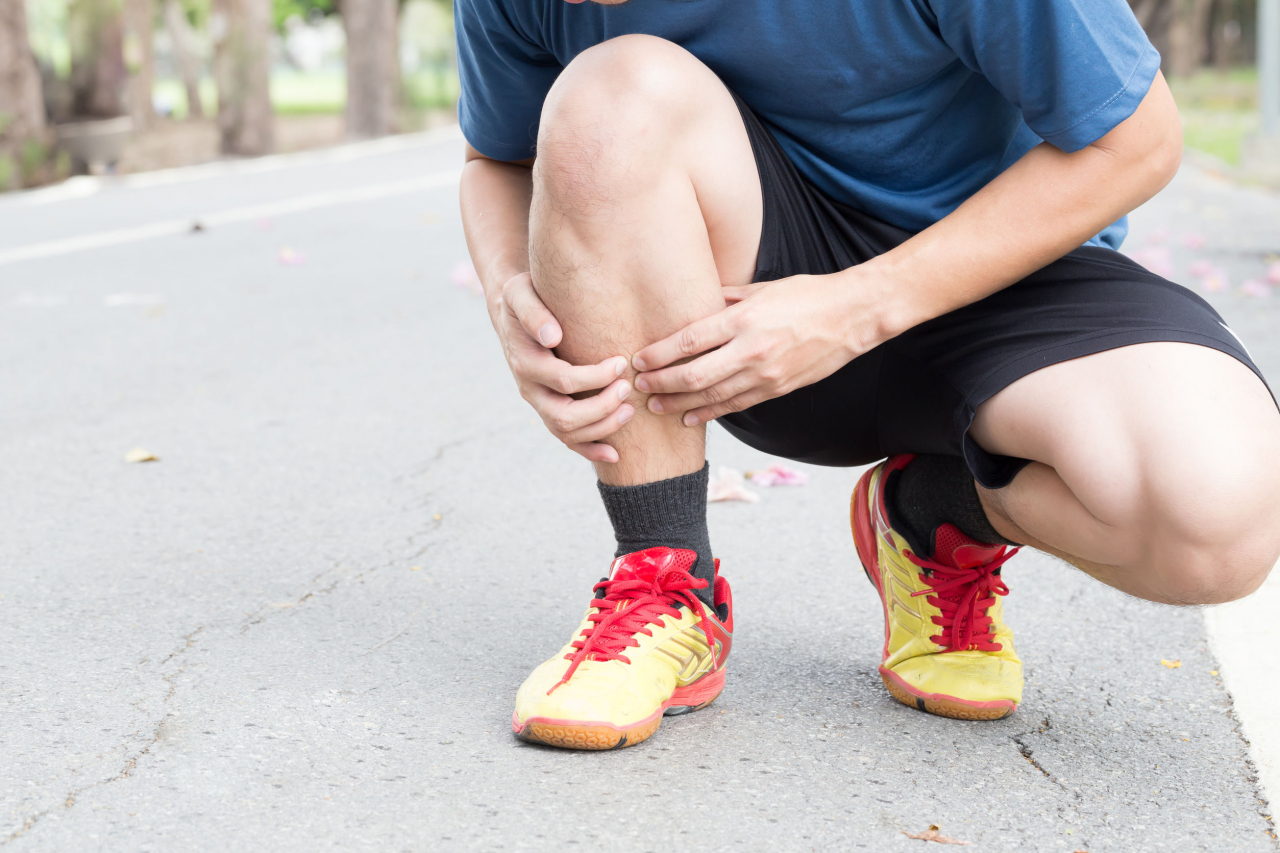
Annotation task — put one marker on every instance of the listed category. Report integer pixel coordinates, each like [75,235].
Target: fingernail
[619,367]
[655,405]
[691,419]
[623,390]
[624,414]
[638,363]
[642,383]
[545,334]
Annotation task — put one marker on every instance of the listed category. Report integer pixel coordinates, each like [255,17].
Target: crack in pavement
[1029,754]
[414,551]
[131,761]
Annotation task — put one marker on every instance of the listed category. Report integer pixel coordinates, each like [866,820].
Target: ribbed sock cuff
[670,513]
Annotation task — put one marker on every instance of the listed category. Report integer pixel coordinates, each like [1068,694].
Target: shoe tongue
[648,564]
[958,551]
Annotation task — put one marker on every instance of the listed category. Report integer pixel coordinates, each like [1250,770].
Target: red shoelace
[963,595]
[643,603]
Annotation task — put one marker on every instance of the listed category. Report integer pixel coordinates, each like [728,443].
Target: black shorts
[918,392]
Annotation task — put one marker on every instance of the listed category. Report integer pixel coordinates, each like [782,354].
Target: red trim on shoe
[865,536]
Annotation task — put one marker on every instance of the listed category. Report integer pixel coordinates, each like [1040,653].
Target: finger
[541,366]
[602,429]
[695,338]
[596,452]
[735,293]
[735,404]
[565,415]
[696,375]
[739,383]
[523,303]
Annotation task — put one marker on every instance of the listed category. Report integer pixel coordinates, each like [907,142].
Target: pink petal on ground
[1255,287]
[727,485]
[463,274]
[1200,269]
[1273,273]
[1155,258]
[778,475]
[1193,240]
[1216,282]
[290,258]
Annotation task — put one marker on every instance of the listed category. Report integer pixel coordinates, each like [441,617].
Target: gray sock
[669,513]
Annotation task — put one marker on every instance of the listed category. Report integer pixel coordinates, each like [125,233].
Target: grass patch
[1219,110]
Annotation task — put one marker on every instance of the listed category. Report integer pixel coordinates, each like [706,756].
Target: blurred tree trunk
[243,68]
[1188,35]
[99,77]
[373,67]
[139,58]
[21,101]
[184,54]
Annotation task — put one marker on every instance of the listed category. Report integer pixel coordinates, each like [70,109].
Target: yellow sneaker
[647,647]
[947,650]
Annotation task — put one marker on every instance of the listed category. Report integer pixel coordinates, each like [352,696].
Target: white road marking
[1244,636]
[171,227]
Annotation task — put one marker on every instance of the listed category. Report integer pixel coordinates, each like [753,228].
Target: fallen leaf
[932,834]
[778,475]
[727,485]
[290,258]
[140,455]
[1172,664]
[436,516]
[1213,672]
[197,226]
[415,568]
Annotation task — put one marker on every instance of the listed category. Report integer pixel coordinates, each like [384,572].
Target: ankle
[932,491]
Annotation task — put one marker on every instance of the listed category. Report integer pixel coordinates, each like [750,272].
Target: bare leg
[1157,470]
[646,201]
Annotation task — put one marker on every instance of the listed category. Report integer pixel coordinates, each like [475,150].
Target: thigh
[1135,427]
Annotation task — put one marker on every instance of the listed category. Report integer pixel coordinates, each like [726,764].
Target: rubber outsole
[931,703]
[583,734]
[945,706]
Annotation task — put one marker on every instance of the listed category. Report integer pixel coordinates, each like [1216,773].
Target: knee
[1216,535]
[611,112]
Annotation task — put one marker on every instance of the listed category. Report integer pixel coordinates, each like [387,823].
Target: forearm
[1045,205]
[495,201]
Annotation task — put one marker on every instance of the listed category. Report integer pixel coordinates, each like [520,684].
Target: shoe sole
[585,734]
[939,704]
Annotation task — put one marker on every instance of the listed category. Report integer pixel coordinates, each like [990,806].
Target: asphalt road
[303,627]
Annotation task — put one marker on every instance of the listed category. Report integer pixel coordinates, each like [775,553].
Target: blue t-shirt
[900,108]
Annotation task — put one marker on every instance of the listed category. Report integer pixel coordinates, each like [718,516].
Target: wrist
[878,304]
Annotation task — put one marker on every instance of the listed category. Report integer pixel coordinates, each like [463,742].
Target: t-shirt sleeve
[504,78]
[1076,68]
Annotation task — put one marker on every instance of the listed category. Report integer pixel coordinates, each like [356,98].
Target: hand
[528,332]
[773,338]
